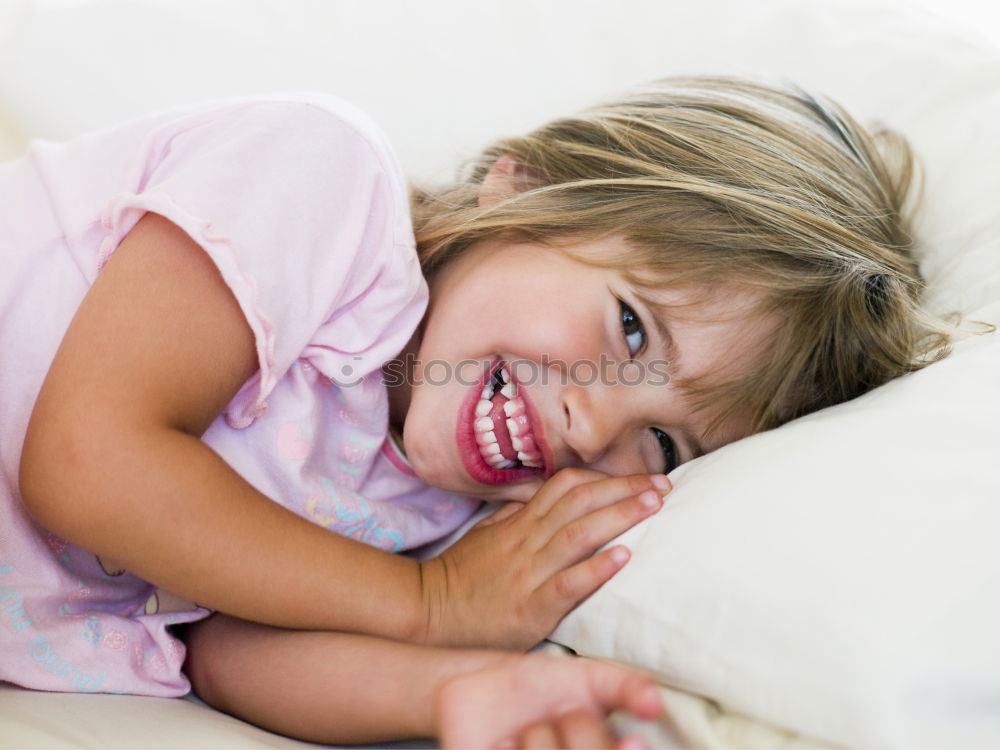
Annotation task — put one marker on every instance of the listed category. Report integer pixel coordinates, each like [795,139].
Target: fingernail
[620,555]
[650,499]
[651,695]
[661,482]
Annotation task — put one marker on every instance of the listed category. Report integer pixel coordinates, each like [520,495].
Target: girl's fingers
[558,485]
[541,735]
[586,498]
[569,587]
[577,540]
[640,696]
[617,687]
[632,742]
[573,729]
[581,729]
[539,700]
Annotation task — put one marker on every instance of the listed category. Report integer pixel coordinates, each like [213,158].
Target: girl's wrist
[462,663]
[428,628]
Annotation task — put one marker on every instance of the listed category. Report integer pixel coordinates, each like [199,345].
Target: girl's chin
[462,484]
[518,491]
[432,464]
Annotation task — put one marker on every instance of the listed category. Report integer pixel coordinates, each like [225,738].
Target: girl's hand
[510,580]
[540,701]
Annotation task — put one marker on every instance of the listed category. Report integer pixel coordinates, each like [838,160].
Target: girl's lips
[468,448]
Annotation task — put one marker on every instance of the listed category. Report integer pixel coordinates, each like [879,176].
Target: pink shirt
[300,204]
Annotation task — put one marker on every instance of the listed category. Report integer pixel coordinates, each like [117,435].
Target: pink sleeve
[304,213]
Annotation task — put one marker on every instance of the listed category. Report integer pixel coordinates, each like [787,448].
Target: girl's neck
[398,377]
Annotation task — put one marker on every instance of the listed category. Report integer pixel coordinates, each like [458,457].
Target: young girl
[219,346]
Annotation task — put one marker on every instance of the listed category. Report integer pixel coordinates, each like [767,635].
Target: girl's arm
[112,459]
[113,462]
[342,688]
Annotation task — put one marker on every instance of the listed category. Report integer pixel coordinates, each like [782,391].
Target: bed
[835,582]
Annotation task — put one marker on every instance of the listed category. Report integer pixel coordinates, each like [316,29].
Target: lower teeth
[505,464]
[497,385]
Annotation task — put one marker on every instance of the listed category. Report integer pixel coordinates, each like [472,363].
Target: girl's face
[529,361]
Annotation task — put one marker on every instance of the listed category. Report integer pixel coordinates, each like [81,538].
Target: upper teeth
[500,381]
[517,424]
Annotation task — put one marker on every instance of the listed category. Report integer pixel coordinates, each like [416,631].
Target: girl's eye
[635,334]
[669,450]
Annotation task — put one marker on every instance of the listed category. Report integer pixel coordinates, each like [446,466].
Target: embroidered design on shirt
[347,513]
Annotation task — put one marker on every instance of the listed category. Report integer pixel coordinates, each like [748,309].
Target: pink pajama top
[300,204]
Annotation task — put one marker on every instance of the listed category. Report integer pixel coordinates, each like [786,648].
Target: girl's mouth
[498,440]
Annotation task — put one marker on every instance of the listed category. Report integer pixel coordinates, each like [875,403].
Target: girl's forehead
[672,285]
[609,250]
[705,303]
[721,316]
[714,335]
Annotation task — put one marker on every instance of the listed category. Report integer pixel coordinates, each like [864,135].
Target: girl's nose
[592,422]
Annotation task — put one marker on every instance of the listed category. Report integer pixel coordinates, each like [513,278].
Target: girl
[219,346]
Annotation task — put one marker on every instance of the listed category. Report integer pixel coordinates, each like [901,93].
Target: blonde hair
[723,181]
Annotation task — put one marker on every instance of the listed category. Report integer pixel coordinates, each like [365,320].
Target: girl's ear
[507,178]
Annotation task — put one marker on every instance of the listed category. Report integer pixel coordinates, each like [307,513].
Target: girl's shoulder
[300,114]
[300,140]
[309,149]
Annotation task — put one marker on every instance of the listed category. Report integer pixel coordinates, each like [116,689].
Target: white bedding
[30,721]
[445,76]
